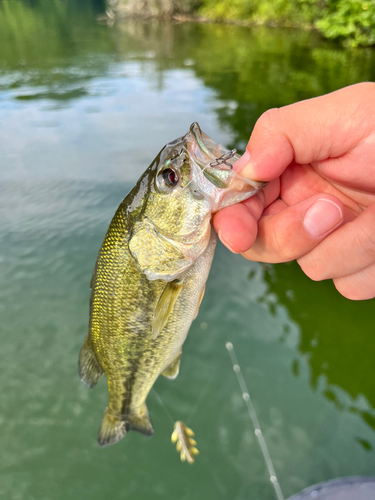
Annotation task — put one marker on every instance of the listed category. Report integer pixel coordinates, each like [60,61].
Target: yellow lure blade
[185,444]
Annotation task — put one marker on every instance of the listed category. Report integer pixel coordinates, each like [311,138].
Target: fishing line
[192,411]
[164,406]
[255,421]
[200,397]
[217,161]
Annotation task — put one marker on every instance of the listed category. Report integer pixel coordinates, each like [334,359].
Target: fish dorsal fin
[164,307]
[156,256]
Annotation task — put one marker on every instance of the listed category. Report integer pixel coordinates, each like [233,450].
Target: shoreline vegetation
[352,22]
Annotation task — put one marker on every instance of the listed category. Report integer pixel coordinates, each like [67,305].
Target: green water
[84,108]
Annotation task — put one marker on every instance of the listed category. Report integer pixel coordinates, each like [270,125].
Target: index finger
[307,132]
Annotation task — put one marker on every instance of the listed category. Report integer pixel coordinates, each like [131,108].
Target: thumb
[293,231]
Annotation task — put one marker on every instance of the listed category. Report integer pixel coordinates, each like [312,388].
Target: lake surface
[84,108]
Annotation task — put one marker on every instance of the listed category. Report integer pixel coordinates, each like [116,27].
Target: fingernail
[241,164]
[225,243]
[323,216]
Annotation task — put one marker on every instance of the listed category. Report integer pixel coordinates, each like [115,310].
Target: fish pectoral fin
[112,430]
[89,369]
[140,422]
[164,307]
[173,369]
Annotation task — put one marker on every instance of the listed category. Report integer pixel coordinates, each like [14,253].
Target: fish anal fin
[140,422]
[165,306]
[89,369]
[173,369]
[200,300]
[112,430]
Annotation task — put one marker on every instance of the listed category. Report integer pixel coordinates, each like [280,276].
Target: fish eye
[169,177]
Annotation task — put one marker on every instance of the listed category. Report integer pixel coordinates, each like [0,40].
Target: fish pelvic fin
[200,300]
[89,369]
[140,422]
[174,368]
[112,430]
[164,306]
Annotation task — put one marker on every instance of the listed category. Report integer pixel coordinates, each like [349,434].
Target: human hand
[319,206]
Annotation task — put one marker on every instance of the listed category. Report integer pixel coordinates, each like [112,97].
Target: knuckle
[366,86]
[278,241]
[357,286]
[347,290]
[312,268]
[366,239]
[269,119]
[255,205]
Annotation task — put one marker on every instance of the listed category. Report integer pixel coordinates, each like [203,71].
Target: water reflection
[250,70]
[336,338]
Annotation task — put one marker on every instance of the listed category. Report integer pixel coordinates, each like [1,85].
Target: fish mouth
[209,152]
[219,181]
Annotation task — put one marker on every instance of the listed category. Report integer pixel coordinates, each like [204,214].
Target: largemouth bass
[150,275]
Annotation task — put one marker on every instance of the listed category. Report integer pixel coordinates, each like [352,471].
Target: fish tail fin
[112,430]
[89,369]
[140,422]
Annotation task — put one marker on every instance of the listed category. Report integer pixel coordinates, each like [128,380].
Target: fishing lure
[223,159]
[183,436]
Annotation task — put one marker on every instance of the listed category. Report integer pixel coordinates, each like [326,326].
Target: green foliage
[164,9]
[286,12]
[229,9]
[352,21]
